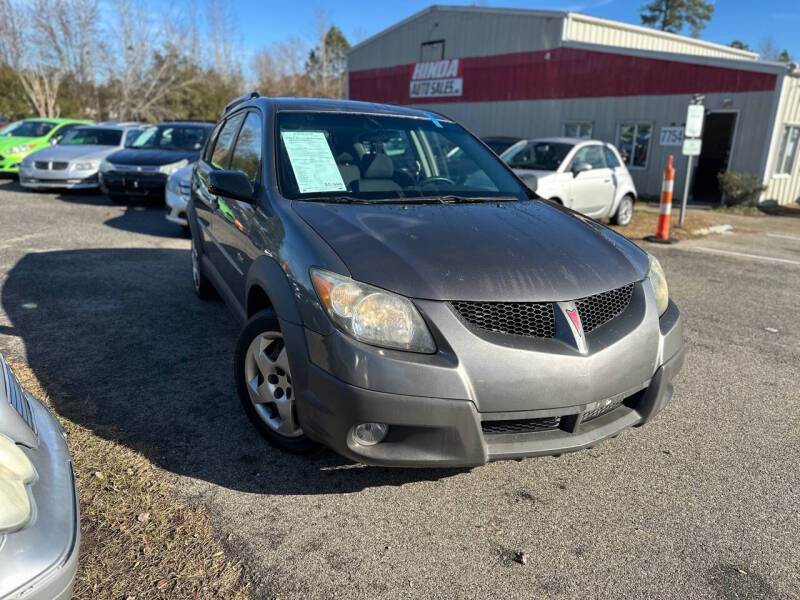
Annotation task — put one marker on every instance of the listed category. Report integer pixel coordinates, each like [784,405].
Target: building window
[788,150]
[578,129]
[431,50]
[633,142]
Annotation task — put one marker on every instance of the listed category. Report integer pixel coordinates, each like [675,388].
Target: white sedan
[586,175]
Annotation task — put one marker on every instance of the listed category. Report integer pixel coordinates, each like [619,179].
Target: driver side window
[64,130]
[592,155]
[220,157]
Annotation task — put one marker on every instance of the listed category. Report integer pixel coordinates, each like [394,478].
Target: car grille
[44,165]
[537,319]
[17,399]
[599,309]
[520,425]
[602,410]
[531,319]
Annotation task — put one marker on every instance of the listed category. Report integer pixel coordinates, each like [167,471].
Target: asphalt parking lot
[701,503]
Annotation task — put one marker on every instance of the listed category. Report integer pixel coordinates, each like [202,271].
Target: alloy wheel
[625,212]
[269,383]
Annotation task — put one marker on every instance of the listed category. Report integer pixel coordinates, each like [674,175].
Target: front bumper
[9,164]
[461,407]
[176,208]
[33,178]
[39,562]
[132,183]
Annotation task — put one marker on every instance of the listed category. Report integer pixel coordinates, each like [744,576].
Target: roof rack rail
[237,101]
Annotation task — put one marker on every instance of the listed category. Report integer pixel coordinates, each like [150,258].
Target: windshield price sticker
[312,162]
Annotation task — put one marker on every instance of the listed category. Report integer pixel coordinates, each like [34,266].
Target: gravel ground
[701,503]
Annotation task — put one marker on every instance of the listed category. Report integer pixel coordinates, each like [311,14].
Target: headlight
[105,166]
[20,148]
[16,472]
[85,166]
[172,167]
[659,282]
[173,185]
[371,314]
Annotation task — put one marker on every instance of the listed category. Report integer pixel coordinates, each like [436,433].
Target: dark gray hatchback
[405,299]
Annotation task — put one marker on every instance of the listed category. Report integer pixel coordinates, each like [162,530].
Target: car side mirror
[231,184]
[580,168]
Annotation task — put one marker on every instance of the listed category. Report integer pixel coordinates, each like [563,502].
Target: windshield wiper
[454,199]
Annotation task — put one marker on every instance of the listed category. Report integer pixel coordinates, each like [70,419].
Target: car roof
[565,140]
[333,105]
[59,120]
[109,126]
[191,123]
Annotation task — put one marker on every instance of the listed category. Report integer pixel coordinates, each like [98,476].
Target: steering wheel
[437,179]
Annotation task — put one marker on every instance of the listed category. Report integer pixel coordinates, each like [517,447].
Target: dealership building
[534,73]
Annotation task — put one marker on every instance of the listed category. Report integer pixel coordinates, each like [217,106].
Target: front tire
[624,212]
[264,383]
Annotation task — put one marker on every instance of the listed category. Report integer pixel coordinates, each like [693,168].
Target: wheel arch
[268,287]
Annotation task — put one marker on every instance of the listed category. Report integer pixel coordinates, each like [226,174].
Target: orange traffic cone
[665,208]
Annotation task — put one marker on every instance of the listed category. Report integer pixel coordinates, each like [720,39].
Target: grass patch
[140,541]
[645,222]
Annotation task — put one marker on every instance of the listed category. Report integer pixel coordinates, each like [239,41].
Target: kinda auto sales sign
[437,78]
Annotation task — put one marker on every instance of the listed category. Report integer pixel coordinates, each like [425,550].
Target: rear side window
[589,154]
[247,155]
[224,145]
[611,158]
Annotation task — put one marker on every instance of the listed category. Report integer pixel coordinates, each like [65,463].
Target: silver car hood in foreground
[69,152]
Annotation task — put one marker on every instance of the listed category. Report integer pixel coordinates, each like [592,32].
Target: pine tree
[675,15]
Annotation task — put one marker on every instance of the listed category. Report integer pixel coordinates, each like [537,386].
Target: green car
[19,139]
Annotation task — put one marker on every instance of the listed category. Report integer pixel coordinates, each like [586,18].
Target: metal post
[685,189]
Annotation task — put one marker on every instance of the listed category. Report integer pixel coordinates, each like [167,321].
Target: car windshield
[28,129]
[187,138]
[540,156]
[347,157]
[96,136]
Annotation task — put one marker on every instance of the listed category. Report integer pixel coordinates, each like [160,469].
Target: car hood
[73,152]
[144,157]
[512,251]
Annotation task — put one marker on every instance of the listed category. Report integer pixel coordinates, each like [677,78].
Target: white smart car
[586,175]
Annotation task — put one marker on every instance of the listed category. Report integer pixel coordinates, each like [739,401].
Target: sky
[260,23]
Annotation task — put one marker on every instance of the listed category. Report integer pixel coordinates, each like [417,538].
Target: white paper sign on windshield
[312,162]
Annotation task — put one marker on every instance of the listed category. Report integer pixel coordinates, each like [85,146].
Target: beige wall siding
[581,28]
[540,118]
[784,189]
[466,33]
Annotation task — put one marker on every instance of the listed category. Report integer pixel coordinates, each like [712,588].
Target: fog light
[369,434]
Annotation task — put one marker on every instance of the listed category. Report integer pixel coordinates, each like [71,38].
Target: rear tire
[624,213]
[202,285]
[264,384]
